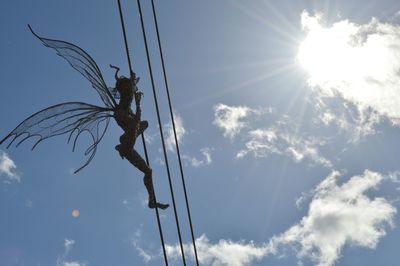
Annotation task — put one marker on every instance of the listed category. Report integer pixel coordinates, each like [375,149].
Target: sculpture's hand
[138,96]
[134,79]
[116,72]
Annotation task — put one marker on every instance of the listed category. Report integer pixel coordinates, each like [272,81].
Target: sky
[288,118]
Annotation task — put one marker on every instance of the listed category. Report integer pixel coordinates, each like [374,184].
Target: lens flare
[75,213]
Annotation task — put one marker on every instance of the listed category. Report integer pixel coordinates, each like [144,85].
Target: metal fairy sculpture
[77,117]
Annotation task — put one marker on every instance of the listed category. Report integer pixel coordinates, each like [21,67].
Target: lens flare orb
[75,213]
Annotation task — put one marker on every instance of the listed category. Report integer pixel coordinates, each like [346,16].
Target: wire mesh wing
[70,117]
[83,63]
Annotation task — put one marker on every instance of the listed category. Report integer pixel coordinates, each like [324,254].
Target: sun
[346,59]
[320,55]
[330,55]
[327,56]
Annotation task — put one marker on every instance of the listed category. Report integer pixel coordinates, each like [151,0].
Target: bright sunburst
[340,52]
[327,53]
[357,61]
[323,55]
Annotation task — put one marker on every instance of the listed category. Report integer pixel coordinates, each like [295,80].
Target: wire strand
[174,129]
[161,131]
[121,16]
[143,140]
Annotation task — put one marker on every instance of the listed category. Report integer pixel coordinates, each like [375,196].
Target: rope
[174,129]
[143,140]
[161,131]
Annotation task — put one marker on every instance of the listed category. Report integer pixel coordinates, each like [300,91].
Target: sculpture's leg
[134,158]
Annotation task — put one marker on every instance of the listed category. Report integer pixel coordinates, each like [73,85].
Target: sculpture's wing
[83,63]
[70,117]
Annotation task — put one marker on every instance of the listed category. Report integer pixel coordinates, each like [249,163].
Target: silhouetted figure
[77,117]
[133,126]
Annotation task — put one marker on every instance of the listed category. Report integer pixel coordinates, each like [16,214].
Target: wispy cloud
[222,253]
[359,63]
[198,162]
[68,244]
[348,118]
[276,140]
[62,260]
[73,263]
[282,137]
[338,216]
[29,203]
[145,255]
[180,132]
[207,155]
[230,119]
[8,169]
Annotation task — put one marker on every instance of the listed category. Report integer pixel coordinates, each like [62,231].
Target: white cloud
[29,203]
[180,132]
[145,255]
[282,137]
[73,263]
[281,140]
[339,215]
[193,161]
[143,199]
[8,169]
[207,155]
[196,162]
[68,244]
[230,118]
[356,123]
[223,253]
[62,260]
[394,176]
[149,137]
[360,63]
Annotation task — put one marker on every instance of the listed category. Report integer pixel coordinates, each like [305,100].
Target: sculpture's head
[125,87]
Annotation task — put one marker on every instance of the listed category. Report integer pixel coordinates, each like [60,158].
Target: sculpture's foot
[159,205]
[118,148]
[162,206]
[153,204]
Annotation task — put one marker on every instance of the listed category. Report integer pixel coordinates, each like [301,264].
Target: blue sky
[288,113]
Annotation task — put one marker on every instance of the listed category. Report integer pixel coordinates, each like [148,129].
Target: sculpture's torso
[125,117]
